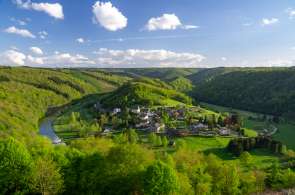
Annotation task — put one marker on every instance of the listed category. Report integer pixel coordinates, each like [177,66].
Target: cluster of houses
[203,129]
[151,121]
[146,120]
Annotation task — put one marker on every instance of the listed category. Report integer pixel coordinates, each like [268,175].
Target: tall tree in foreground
[160,178]
[16,166]
[47,176]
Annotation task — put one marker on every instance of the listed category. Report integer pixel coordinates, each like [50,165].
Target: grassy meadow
[262,158]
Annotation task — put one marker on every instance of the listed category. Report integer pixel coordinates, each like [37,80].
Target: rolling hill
[165,74]
[27,93]
[264,90]
[145,92]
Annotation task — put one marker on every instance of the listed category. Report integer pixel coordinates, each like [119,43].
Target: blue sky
[147,33]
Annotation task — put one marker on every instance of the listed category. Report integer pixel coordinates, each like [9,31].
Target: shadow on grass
[222,153]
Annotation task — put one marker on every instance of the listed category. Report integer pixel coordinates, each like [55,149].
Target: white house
[116,110]
[144,117]
[142,124]
[136,110]
[200,126]
[158,127]
[224,131]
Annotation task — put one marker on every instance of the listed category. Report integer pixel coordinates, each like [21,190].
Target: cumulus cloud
[67,60]
[52,9]
[12,58]
[19,22]
[188,27]
[80,40]
[17,58]
[105,58]
[247,24]
[108,16]
[36,50]
[291,12]
[167,22]
[43,34]
[34,60]
[146,58]
[223,58]
[21,32]
[269,21]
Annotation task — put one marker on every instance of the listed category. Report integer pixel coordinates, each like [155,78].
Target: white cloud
[36,50]
[167,22]
[269,21]
[291,13]
[188,27]
[66,59]
[12,58]
[223,58]
[247,24]
[146,58]
[19,22]
[80,40]
[52,9]
[108,16]
[17,58]
[13,48]
[43,34]
[34,60]
[21,32]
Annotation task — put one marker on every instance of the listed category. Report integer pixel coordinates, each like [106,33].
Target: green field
[285,133]
[262,158]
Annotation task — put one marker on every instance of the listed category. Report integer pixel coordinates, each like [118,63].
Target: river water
[46,129]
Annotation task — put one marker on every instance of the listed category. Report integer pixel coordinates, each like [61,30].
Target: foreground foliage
[127,168]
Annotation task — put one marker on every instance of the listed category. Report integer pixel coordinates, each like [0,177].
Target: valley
[105,119]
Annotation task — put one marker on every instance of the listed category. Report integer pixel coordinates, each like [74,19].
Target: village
[178,121]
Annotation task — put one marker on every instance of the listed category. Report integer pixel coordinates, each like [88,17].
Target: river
[46,129]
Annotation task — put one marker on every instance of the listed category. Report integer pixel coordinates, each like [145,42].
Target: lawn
[262,158]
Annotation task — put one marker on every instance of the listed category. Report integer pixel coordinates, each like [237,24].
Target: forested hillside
[165,74]
[145,91]
[182,84]
[270,91]
[26,93]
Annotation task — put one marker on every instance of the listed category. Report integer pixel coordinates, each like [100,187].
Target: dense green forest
[27,93]
[269,91]
[145,91]
[182,84]
[165,74]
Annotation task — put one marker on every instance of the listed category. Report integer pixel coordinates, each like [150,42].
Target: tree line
[239,145]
